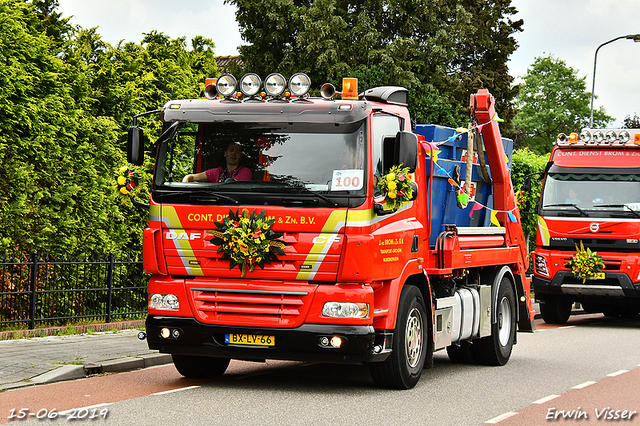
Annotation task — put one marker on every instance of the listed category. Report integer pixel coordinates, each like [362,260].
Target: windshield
[568,191]
[281,157]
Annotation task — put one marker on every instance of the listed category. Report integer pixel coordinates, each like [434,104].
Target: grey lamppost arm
[634,37]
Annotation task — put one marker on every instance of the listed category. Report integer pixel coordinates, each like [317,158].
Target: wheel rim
[413,337]
[504,321]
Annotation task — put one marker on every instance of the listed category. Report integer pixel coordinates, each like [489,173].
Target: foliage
[527,163]
[247,240]
[585,263]
[442,50]
[553,100]
[632,122]
[67,98]
[396,187]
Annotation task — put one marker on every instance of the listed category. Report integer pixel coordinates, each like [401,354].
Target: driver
[231,172]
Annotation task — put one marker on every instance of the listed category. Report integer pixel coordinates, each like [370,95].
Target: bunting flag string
[463,198]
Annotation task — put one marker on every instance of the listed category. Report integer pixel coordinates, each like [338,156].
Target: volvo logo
[594,227]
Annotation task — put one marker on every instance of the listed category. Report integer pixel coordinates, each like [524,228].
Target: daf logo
[173,235]
[594,227]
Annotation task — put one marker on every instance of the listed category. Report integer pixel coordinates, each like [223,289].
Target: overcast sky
[567,29]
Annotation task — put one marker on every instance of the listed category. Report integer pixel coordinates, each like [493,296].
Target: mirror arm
[139,204]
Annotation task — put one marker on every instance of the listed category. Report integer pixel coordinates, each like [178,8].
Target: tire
[555,310]
[496,349]
[200,367]
[461,354]
[403,368]
[592,307]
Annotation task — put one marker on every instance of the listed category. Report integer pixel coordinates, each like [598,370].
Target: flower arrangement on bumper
[585,263]
[247,240]
[127,180]
[396,187]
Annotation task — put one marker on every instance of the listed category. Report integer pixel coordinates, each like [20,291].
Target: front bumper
[614,284]
[360,343]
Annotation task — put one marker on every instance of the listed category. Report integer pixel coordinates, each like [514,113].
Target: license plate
[250,339]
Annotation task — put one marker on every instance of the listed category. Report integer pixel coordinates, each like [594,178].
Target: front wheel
[496,349]
[403,368]
[555,310]
[200,367]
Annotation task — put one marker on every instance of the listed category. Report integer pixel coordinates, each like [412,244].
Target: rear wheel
[555,310]
[201,367]
[403,368]
[496,349]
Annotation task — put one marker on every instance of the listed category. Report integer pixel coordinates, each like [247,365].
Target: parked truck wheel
[496,348]
[555,310]
[403,368]
[200,367]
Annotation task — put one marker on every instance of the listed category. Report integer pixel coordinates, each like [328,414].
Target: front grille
[250,307]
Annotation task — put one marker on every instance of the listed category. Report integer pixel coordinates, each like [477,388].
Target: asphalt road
[598,356]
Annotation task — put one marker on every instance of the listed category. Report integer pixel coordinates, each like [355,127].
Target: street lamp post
[634,37]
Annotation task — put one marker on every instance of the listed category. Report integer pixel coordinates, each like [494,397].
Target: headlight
[299,84]
[226,85]
[345,310]
[540,265]
[275,84]
[250,84]
[164,301]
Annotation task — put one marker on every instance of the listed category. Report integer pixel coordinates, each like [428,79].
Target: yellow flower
[392,186]
[121,180]
[391,176]
[123,169]
[124,190]
[392,194]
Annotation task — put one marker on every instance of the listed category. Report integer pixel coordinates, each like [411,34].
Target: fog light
[336,342]
[324,341]
[175,333]
[165,333]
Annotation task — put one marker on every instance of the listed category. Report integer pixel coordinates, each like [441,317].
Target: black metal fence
[47,290]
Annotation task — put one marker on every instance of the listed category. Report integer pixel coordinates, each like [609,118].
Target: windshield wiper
[199,194]
[582,212]
[635,213]
[315,194]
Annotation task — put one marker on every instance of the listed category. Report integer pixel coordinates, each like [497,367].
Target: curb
[71,372]
[82,328]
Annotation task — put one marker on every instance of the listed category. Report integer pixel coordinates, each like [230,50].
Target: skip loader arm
[504,201]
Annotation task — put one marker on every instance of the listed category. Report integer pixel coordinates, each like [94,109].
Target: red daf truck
[590,202]
[353,276]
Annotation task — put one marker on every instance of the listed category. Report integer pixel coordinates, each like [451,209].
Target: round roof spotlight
[624,136]
[611,136]
[299,84]
[598,137]
[226,85]
[585,136]
[274,84]
[250,84]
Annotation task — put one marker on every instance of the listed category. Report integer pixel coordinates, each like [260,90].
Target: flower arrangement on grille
[396,187]
[127,180]
[247,240]
[585,263]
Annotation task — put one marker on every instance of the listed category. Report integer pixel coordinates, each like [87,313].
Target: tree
[442,50]
[553,100]
[632,122]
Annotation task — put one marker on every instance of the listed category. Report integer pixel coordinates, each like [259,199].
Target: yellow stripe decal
[544,231]
[172,221]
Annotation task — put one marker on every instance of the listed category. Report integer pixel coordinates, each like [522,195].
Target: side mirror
[406,150]
[135,146]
